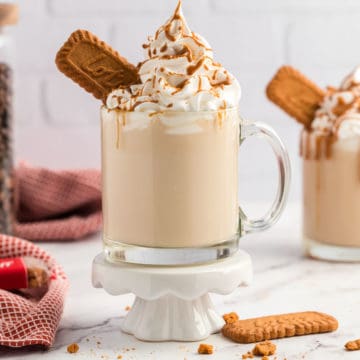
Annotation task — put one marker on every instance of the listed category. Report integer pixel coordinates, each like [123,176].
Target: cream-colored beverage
[170,156]
[170,186]
[331,174]
[332,196]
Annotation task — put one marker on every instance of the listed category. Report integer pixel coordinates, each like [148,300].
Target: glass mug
[170,185]
[331,200]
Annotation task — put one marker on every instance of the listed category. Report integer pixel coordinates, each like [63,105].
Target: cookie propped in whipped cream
[179,74]
[339,112]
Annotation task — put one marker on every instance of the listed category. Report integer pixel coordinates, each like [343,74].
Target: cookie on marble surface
[353,345]
[230,317]
[264,348]
[205,349]
[279,326]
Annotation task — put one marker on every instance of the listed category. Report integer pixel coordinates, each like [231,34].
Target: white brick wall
[251,38]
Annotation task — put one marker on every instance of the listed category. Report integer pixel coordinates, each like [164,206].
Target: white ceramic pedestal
[172,303]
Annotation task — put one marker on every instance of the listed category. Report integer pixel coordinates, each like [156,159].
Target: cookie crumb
[353,345]
[119,357]
[205,349]
[265,358]
[264,348]
[231,317]
[73,348]
[248,355]
[128,308]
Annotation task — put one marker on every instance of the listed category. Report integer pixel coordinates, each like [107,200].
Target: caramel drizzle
[199,85]
[152,114]
[191,69]
[187,52]
[359,161]
[219,118]
[197,41]
[118,130]
[221,115]
[214,93]
[180,87]
[137,103]
[318,192]
[168,34]
[322,147]
[341,107]
[215,74]
[227,81]
[119,126]
[331,89]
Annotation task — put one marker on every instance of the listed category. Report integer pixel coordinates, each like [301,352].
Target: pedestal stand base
[172,303]
[171,318]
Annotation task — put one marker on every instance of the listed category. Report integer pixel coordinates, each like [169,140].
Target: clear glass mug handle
[260,130]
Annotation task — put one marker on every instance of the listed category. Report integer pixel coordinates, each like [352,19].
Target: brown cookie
[230,317]
[353,345]
[264,348]
[248,355]
[94,65]
[73,348]
[205,349]
[295,94]
[279,326]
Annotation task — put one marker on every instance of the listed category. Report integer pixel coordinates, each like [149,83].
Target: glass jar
[8,18]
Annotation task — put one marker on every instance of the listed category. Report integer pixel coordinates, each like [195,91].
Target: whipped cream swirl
[178,75]
[339,112]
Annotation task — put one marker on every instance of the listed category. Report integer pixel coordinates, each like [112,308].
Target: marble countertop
[284,281]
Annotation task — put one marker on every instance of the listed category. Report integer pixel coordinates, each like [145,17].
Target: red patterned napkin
[26,322]
[57,205]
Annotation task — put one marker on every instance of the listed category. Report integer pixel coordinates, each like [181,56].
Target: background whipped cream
[339,112]
[178,75]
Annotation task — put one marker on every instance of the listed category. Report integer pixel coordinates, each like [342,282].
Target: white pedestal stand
[172,303]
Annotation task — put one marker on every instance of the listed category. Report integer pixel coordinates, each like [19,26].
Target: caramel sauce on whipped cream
[179,74]
[338,117]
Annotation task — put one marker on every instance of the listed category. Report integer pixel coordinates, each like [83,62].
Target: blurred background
[57,123]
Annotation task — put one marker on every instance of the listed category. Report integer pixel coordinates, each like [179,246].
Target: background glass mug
[331,196]
[170,185]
